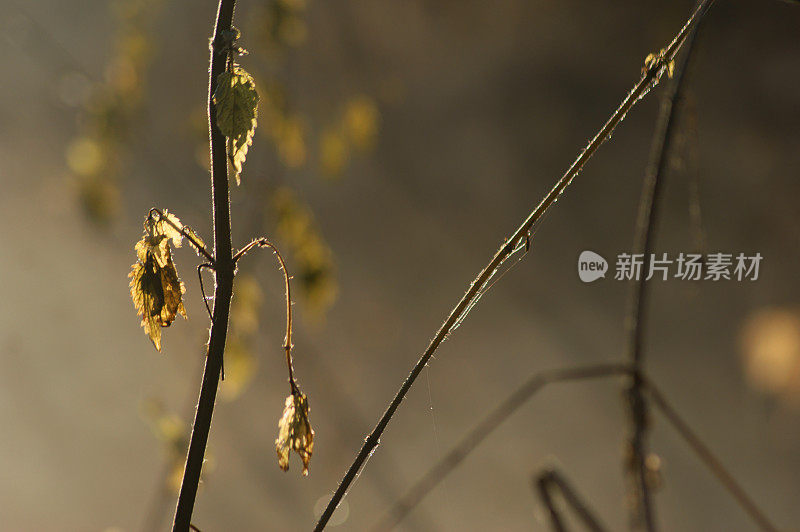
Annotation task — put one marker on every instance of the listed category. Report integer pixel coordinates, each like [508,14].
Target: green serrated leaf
[236,102]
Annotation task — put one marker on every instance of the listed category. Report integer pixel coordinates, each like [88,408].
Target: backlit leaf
[236,102]
[155,288]
[295,432]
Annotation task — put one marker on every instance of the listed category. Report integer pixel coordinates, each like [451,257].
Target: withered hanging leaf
[156,290]
[236,102]
[170,230]
[295,432]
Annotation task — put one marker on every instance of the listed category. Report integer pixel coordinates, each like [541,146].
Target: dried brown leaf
[155,288]
[295,432]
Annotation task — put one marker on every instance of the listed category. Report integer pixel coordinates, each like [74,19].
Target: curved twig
[202,287]
[287,343]
[482,430]
[544,483]
[649,77]
[643,511]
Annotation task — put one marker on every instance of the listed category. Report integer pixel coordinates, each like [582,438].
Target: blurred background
[398,144]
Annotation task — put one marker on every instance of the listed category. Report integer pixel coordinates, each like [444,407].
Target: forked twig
[551,479]
[708,458]
[482,430]
[649,77]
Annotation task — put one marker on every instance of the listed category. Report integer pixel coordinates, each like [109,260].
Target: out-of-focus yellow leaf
[155,288]
[290,139]
[236,103]
[334,152]
[240,368]
[315,268]
[361,120]
[84,156]
[295,432]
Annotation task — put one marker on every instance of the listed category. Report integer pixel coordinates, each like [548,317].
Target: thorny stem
[549,479]
[648,78]
[184,231]
[708,458]
[287,343]
[224,273]
[643,509]
[482,430]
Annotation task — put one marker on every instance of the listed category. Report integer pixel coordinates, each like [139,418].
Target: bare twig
[649,77]
[482,430]
[643,509]
[224,273]
[549,479]
[200,268]
[708,458]
[287,343]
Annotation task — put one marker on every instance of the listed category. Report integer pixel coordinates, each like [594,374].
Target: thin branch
[708,458]
[287,343]
[650,77]
[486,427]
[643,509]
[200,268]
[224,272]
[185,232]
[549,479]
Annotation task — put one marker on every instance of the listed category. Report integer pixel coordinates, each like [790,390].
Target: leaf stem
[184,231]
[224,272]
[645,83]
[287,343]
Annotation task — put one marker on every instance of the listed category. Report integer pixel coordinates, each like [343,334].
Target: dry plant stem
[224,273]
[708,458]
[549,479]
[643,510]
[640,89]
[287,343]
[182,230]
[487,426]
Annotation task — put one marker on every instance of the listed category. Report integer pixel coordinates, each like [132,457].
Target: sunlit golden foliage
[295,432]
[281,23]
[355,130]
[236,102]
[94,155]
[155,288]
[313,258]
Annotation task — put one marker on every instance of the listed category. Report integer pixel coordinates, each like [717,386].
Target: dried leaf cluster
[156,290]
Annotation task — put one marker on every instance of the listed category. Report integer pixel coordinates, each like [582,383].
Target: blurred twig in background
[545,482]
